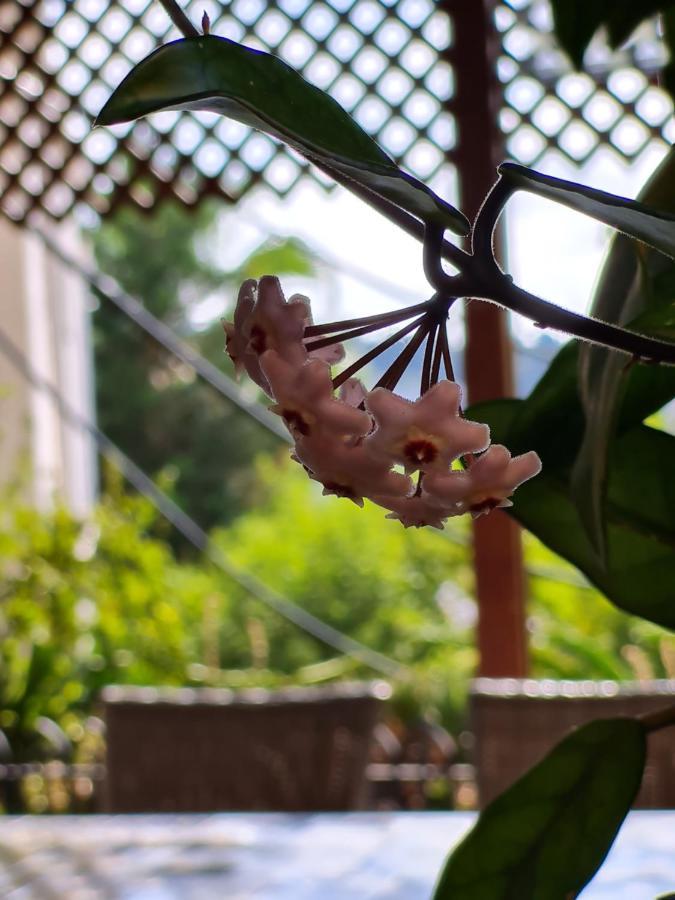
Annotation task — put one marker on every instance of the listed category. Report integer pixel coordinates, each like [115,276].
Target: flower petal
[347,466]
[305,399]
[413,512]
[427,434]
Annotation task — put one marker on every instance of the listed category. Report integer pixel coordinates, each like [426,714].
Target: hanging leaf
[546,836]
[652,227]
[668,71]
[575,22]
[624,16]
[552,416]
[626,290]
[601,374]
[260,90]
[289,256]
[639,575]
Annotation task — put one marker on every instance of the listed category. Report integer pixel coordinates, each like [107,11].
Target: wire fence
[108,290]
[193,533]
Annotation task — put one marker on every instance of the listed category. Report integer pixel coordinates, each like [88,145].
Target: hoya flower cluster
[369,444]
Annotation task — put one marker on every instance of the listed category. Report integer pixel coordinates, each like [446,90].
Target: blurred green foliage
[107,601]
[85,604]
[148,402]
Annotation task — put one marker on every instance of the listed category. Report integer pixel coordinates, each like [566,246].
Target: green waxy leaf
[576,21]
[260,90]
[601,376]
[545,837]
[284,257]
[624,292]
[552,416]
[652,227]
[624,16]
[639,574]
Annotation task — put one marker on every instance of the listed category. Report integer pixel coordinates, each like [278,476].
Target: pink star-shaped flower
[353,392]
[305,399]
[414,512]
[427,434]
[333,353]
[263,320]
[492,478]
[345,469]
[235,340]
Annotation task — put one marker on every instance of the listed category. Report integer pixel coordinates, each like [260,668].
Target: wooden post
[498,560]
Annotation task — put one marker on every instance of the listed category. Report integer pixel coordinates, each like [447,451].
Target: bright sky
[553,252]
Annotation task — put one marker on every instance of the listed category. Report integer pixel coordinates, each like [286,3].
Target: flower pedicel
[351,441]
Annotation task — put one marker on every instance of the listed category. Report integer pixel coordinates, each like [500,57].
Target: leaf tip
[106,116]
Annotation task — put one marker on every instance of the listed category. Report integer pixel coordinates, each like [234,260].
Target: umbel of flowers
[372,444]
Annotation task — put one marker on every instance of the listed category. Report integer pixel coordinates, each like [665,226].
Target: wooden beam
[497,546]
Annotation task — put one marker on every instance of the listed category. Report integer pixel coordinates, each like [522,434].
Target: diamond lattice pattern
[59,59]
[547,105]
[386,62]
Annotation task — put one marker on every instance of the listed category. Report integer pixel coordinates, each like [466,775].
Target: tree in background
[149,403]
[85,605]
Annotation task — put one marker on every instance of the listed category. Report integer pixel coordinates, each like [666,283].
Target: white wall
[44,312]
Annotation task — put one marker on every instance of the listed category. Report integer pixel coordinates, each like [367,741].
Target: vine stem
[662,718]
[479,275]
[375,352]
[380,319]
[179,19]
[395,371]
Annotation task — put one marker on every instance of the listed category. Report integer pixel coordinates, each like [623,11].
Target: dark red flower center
[295,421]
[486,505]
[420,451]
[340,490]
[258,339]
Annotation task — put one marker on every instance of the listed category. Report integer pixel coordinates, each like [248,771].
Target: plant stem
[436,365]
[395,214]
[488,215]
[346,335]
[425,380]
[432,254]
[480,277]
[381,319]
[445,350]
[644,349]
[375,352]
[179,19]
[395,371]
[662,718]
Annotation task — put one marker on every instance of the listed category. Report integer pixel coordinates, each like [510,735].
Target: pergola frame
[33,129]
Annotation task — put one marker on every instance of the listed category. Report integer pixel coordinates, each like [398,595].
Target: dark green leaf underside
[545,837]
[576,21]
[639,574]
[260,90]
[657,229]
[626,295]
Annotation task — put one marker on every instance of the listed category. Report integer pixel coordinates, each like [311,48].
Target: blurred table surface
[327,856]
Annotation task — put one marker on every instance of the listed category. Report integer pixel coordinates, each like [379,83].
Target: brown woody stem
[375,352]
[380,320]
[179,19]
[662,718]
[395,371]
[480,276]
[425,380]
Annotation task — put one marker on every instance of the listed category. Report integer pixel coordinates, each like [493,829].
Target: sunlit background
[98,587]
